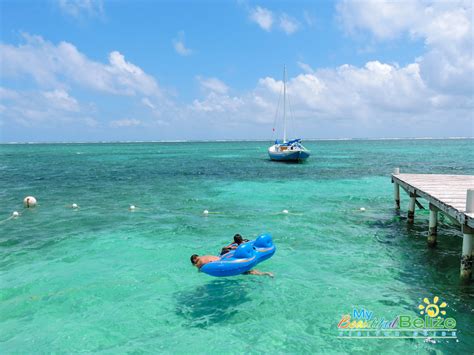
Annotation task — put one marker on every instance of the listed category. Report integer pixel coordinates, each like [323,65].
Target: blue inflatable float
[242,259]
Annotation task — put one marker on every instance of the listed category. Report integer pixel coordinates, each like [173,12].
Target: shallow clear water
[103,278]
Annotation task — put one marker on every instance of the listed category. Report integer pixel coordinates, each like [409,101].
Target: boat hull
[295,155]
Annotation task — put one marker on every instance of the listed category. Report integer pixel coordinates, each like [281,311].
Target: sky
[93,70]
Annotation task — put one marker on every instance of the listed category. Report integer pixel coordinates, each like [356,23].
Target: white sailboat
[291,150]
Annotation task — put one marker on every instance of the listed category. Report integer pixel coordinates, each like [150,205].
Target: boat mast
[284,104]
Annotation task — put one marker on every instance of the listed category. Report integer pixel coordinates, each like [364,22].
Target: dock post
[466,257]
[411,208]
[468,236]
[433,226]
[396,190]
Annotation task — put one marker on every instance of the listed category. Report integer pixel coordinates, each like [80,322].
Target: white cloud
[8,94]
[376,99]
[434,92]
[434,21]
[39,108]
[445,27]
[126,122]
[263,17]
[181,49]
[179,45]
[288,24]
[305,67]
[215,102]
[61,99]
[156,107]
[53,66]
[386,19]
[90,122]
[146,101]
[309,18]
[78,8]
[56,69]
[213,84]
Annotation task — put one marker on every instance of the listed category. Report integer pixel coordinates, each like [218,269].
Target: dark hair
[193,258]
[238,239]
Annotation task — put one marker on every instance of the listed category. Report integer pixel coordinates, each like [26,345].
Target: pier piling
[433,226]
[396,190]
[411,208]
[468,236]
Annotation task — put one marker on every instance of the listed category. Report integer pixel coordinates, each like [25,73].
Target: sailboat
[287,150]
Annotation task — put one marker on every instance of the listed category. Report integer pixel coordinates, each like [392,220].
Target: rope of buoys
[15,214]
[31,201]
[287,212]
[134,208]
[207,212]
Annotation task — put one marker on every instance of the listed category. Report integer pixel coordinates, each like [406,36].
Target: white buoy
[74,205]
[132,207]
[362,209]
[29,201]
[205,212]
[15,214]
[285,211]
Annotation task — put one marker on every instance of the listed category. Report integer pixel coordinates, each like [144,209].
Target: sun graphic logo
[432,309]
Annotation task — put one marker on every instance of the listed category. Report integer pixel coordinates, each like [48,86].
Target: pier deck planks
[446,192]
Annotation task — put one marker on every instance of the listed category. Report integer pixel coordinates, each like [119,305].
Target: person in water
[200,261]
[237,241]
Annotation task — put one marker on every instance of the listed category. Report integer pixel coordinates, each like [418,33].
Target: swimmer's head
[238,239]
[194,258]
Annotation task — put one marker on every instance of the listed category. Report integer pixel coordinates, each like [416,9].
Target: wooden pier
[452,195]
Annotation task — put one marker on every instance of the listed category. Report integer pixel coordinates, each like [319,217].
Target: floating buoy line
[14,215]
[31,202]
[207,212]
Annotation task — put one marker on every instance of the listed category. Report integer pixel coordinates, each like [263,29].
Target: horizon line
[236,140]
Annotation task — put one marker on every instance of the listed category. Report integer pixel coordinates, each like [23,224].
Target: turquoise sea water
[103,278]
